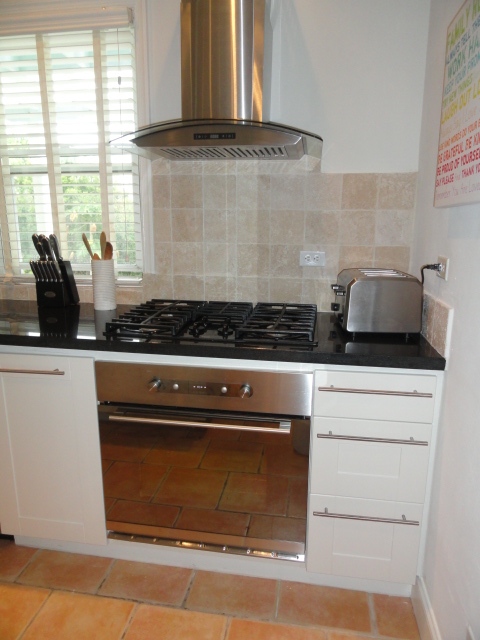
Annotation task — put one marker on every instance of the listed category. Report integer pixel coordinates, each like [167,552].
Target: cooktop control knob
[245,391]
[175,386]
[224,390]
[154,384]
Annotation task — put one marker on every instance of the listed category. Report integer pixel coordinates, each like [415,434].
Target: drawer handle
[331,436]
[377,392]
[54,372]
[344,516]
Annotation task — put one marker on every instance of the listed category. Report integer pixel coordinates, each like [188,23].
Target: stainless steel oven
[206,458]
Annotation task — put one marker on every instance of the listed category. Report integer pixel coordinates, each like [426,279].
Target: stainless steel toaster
[374,300]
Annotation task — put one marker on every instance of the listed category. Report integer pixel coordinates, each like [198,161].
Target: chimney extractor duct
[226,73]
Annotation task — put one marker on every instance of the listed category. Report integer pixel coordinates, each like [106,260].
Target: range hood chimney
[226,73]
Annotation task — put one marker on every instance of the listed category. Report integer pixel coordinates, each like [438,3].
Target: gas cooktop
[240,323]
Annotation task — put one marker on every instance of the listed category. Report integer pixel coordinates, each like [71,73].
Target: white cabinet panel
[363,459]
[50,463]
[375,396]
[363,538]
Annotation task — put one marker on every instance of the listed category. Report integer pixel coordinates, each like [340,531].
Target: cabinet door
[368,539]
[50,465]
[370,459]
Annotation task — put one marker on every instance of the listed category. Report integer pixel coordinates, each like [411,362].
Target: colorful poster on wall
[458,164]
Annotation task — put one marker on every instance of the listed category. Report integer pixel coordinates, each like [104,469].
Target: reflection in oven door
[208,479]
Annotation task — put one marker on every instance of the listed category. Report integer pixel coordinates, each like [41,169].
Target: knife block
[59,322]
[58,294]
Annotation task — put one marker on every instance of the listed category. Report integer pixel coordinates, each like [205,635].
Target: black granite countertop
[23,324]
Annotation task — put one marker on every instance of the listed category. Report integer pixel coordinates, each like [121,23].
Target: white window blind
[63,97]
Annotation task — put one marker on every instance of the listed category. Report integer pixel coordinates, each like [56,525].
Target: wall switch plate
[312,258]
[443,273]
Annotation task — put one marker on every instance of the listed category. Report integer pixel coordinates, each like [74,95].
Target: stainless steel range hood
[226,73]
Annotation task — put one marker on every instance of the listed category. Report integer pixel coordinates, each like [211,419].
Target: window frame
[21,17]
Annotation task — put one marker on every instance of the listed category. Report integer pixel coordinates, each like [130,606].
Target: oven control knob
[175,386]
[245,391]
[154,384]
[224,390]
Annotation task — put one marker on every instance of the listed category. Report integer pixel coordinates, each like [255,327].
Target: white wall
[452,567]
[349,71]
[353,72]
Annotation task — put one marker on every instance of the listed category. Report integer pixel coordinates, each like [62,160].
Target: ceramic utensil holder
[103,280]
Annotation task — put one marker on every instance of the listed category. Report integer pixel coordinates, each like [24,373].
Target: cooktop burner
[179,321]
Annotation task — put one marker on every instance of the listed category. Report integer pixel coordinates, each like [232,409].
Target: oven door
[215,480]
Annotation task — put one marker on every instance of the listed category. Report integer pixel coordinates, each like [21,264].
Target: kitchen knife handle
[55,246]
[35,271]
[47,247]
[38,246]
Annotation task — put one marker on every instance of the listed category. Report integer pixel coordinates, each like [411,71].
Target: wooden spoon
[87,244]
[103,242]
[108,251]
[96,256]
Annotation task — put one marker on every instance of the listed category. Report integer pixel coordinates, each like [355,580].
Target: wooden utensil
[87,244]
[108,251]
[103,243]
[96,256]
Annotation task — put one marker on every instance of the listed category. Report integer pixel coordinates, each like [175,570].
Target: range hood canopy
[226,72]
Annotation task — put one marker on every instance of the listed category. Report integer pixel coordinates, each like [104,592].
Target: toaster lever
[339,290]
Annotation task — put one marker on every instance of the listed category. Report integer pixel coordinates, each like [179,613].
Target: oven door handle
[284,426]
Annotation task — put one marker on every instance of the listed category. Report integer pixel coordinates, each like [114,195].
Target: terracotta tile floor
[50,595]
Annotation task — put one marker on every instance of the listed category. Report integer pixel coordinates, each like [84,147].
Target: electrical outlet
[470,635]
[312,258]
[443,273]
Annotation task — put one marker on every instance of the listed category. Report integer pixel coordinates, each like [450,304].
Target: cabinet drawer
[377,396]
[367,539]
[370,459]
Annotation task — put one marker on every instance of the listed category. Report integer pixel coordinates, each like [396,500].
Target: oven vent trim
[207,546]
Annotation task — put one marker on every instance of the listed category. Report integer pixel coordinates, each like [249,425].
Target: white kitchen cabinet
[370,454]
[50,465]
[368,539]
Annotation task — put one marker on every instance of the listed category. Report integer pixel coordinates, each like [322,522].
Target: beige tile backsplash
[437,323]
[234,230]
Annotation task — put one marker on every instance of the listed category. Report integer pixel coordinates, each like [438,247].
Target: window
[63,97]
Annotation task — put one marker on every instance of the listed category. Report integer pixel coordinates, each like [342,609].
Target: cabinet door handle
[41,372]
[331,436]
[344,516]
[377,392]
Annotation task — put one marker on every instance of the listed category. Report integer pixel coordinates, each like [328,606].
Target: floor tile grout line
[227,628]
[183,604]
[128,624]
[105,577]
[22,634]
[277,599]
[22,571]
[373,614]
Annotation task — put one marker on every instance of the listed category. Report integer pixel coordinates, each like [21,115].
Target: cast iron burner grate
[156,318]
[279,323]
[238,323]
